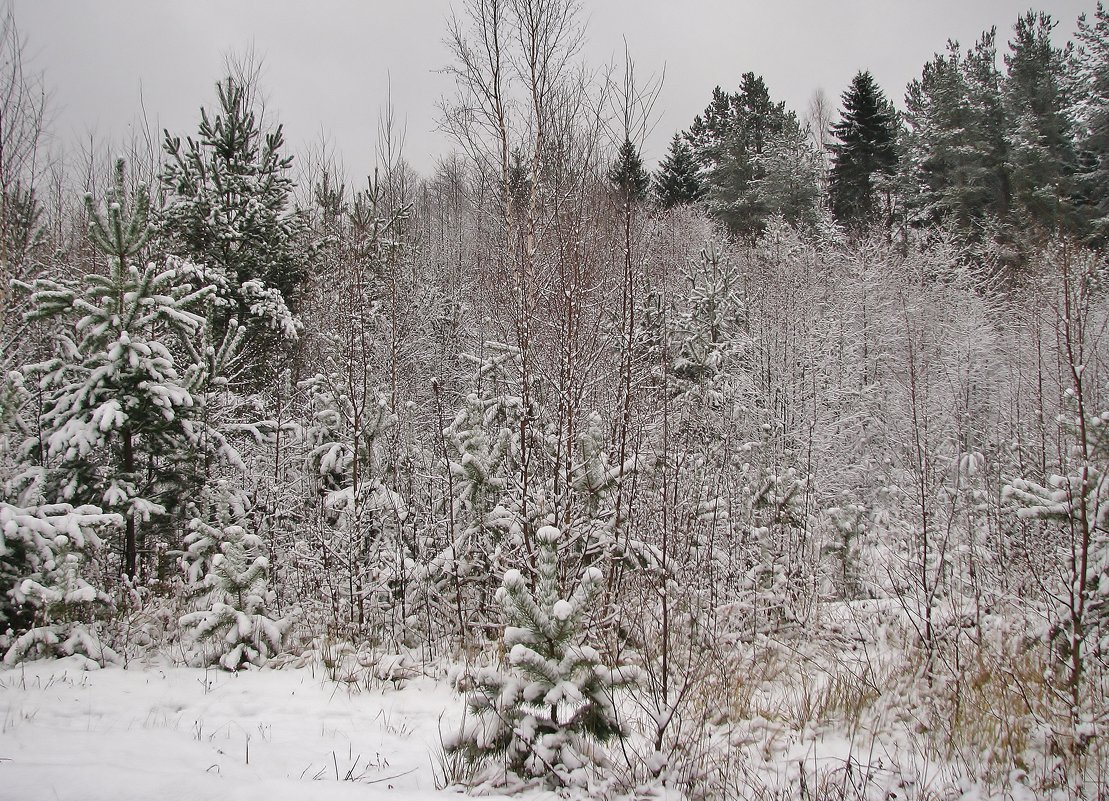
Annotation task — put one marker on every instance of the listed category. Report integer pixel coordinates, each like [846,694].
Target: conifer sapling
[555,699]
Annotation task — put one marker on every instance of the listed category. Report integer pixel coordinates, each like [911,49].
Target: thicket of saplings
[818,509]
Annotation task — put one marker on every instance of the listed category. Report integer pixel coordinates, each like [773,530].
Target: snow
[160,732]
[548,534]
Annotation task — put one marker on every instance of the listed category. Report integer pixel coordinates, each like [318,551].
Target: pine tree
[1089,83]
[14,478]
[556,696]
[230,208]
[116,422]
[787,181]
[953,171]
[710,128]
[627,173]
[708,333]
[21,229]
[593,474]
[732,145]
[346,457]
[229,582]
[676,182]
[866,150]
[1040,137]
[1075,502]
[988,120]
[46,554]
[482,441]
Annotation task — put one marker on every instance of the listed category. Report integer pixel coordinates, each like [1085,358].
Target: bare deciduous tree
[23,103]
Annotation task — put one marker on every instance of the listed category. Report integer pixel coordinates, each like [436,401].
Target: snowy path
[182,733]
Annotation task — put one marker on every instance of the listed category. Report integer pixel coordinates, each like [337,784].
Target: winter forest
[779,472]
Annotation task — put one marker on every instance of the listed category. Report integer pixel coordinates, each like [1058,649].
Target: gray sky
[327,63]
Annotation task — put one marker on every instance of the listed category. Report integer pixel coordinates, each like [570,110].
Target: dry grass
[920,724]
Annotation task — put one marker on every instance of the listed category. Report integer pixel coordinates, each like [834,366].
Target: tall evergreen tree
[731,143]
[1040,136]
[710,129]
[788,175]
[1090,112]
[627,173]
[953,169]
[676,182]
[230,208]
[866,150]
[987,110]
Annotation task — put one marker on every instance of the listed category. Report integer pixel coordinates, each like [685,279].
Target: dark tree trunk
[130,549]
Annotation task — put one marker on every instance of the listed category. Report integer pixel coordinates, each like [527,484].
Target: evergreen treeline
[686,474]
[988,144]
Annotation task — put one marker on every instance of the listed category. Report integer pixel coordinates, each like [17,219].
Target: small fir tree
[593,474]
[116,422]
[676,182]
[556,697]
[46,554]
[1075,502]
[347,460]
[22,231]
[627,173]
[708,334]
[228,579]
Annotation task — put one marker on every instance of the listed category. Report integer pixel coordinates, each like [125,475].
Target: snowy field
[183,733]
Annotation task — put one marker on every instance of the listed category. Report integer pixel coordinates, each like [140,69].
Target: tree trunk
[130,548]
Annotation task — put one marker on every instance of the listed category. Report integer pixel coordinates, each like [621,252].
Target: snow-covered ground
[182,733]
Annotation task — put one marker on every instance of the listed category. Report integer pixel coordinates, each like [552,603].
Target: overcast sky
[327,63]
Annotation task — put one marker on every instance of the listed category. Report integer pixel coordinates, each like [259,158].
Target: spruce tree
[866,150]
[627,173]
[676,182]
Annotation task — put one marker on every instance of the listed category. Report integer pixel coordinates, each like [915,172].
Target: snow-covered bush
[233,624]
[554,700]
[1073,506]
[51,549]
